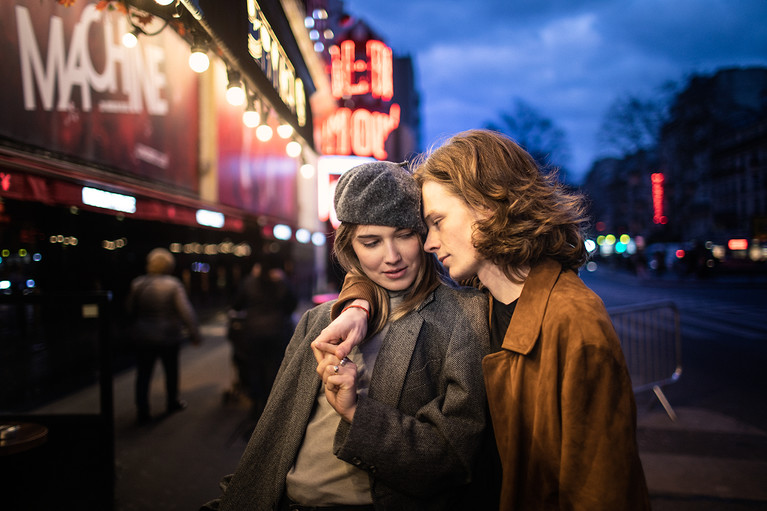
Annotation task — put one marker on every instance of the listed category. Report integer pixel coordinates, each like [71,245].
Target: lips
[395,274]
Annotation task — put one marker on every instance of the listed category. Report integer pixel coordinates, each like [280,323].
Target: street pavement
[703,461]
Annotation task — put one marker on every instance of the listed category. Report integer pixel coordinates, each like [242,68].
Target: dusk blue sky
[569,59]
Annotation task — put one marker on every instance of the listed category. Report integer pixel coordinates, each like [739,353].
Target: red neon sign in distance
[657,180]
[737,244]
[360,131]
[378,79]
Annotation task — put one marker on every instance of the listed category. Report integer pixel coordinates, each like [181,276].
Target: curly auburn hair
[531,215]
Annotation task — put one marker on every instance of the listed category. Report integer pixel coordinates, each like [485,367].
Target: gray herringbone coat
[417,433]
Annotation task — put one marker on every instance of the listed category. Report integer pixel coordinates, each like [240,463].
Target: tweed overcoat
[417,433]
[561,402]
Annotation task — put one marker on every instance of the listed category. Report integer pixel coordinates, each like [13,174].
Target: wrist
[348,415]
[355,305]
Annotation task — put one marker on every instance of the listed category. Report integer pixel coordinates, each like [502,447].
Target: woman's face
[450,222]
[389,256]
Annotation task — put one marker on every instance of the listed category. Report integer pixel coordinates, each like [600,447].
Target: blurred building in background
[702,189]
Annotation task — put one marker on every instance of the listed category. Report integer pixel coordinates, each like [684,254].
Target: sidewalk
[702,462]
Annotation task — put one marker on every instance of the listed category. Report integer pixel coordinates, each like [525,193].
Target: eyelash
[404,235]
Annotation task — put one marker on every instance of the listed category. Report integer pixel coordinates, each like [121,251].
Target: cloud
[569,59]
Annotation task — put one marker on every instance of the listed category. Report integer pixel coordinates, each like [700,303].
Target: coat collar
[525,326]
[393,359]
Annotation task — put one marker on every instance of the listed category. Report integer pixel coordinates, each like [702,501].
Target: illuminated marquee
[360,132]
[131,80]
[267,52]
[657,180]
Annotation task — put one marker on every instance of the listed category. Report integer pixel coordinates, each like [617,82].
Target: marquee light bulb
[130,40]
[235,94]
[293,149]
[199,61]
[284,130]
[264,133]
[307,171]
[251,118]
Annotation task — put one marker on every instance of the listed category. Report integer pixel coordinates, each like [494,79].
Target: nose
[393,254]
[431,244]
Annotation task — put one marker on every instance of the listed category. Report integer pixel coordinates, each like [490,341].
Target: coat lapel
[528,315]
[393,360]
[305,389]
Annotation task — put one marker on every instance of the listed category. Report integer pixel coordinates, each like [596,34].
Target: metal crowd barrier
[651,342]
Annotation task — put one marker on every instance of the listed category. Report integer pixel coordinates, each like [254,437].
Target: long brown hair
[425,281]
[532,215]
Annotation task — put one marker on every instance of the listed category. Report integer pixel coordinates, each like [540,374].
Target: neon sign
[360,131]
[657,180]
[378,81]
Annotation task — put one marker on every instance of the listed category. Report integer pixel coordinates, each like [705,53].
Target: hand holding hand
[345,332]
[340,379]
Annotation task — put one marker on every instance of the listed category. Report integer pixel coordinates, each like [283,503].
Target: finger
[323,346]
[342,350]
[324,369]
[319,355]
[328,337]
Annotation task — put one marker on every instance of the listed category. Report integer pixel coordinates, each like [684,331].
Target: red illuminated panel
[351,77]
[657,180]
[737,244]
[359,132]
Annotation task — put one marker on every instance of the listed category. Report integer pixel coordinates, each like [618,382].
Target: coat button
[356,461]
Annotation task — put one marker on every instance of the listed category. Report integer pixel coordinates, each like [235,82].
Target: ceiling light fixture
[285,130]
[198,59]
[130,39]
[251,117]
[235,92]
[294,149]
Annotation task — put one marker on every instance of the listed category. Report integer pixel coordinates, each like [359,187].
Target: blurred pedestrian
[397,424]
[162,319]
[558,389]
[262,309]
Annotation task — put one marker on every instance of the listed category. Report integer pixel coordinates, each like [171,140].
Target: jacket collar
[525,326]
[393,361]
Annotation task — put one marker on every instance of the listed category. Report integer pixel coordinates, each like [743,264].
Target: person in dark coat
[397,424]
[264,305]
[162,319]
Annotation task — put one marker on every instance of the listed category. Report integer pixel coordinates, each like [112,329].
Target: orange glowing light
[737,244]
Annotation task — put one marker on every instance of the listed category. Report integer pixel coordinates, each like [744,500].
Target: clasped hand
[340,379]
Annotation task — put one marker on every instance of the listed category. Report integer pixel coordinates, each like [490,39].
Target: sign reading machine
[70,87]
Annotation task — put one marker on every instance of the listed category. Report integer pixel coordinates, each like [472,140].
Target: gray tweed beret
[379,193]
